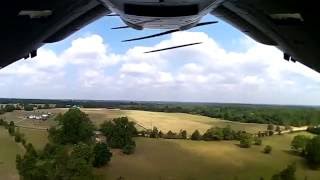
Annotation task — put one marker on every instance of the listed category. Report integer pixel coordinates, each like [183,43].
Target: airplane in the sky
[291,25]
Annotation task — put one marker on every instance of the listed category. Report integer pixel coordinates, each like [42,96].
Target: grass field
[163,121]
[184,159]
[170,159]
[8,151]
[177,121]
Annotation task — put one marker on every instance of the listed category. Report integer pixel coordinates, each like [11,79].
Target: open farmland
[185,159]
[170,159]
[177,121]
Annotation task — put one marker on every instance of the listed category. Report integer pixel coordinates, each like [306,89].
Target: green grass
[39,138]
[184,159]
[8,151]
[172,159]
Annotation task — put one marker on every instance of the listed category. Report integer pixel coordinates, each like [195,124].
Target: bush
[171,135]
[286,174]
[17,137]
[11,128]
[160,135]
[257,141]
[183,134]
[129,148]
[299,143]
[213,134]
[196,135]
[102,155]
[267,149]
[28,108]
[1,122]
[313,152]
[246,141]
[154,133]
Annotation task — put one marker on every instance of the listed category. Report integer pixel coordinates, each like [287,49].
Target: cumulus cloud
[88,69]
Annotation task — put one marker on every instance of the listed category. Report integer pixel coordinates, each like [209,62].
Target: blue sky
[228,67]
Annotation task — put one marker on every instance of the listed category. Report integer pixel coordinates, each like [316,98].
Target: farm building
[43,117]
[99,137]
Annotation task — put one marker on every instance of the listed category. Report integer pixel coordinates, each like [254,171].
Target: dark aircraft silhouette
[291,25]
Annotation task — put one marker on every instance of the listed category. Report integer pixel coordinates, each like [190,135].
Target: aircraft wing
[27,25]
[291,25]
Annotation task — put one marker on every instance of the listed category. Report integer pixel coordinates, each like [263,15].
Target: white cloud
[207,72]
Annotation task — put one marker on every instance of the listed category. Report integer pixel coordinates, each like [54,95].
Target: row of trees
[314,130]
[309,148]
[70,154]
[26,107]
[213,134]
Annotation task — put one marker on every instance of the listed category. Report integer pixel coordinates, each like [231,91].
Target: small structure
[43,117]
[99,137]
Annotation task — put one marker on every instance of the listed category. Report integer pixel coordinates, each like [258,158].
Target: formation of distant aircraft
[291,25]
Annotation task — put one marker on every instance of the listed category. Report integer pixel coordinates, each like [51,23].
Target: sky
[228,67]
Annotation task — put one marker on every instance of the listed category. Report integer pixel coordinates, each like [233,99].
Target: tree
[215,133]
[73,127]
[270,127]
[11,128]
[28,107]
[278,129]
[183,134]
[46,106]
[313,152]
[257,141]
[119,132]
[102,155]
[228,133]
[83,151]
[196,135]
[18,137]
[299,143]
[129,148]
[286,174]
[267,149]
[246,140]
[160,135]
[9,108]
[154,133]
[171,135]
[77,168]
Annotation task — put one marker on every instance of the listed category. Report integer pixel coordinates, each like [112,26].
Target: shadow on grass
[293,153]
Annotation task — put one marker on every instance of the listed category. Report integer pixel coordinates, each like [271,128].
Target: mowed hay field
[8,151]
[177,121]
[156,159]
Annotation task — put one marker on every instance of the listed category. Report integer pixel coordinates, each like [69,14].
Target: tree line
[278,115]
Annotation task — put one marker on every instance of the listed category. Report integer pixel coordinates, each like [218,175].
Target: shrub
[267,149]
[129,148]
[246,141]
[257,141]
[196,135]
[102,154]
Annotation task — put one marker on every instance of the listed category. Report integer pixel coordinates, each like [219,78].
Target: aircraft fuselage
[161,14]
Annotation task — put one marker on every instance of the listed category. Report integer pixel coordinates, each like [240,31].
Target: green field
[185,159]
[8,151]
[169,159]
